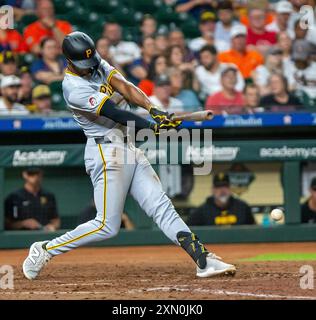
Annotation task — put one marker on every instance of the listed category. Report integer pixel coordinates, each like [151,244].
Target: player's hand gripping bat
[193,116]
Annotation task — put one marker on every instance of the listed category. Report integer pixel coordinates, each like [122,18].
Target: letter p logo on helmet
[88,53]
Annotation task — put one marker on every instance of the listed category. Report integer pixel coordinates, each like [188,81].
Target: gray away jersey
[86,96]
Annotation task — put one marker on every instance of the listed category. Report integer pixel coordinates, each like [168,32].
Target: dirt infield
[160,272]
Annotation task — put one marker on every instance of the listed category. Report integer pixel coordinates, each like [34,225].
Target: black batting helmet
[80,50]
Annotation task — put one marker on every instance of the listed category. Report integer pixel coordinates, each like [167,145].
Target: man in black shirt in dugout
[308,208]
[222,208]
[31,207]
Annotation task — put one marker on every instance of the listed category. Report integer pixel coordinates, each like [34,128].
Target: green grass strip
[282,257]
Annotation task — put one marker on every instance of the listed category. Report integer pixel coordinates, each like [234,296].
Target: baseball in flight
[277,214]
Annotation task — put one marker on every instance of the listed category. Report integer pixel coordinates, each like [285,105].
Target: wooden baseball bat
[193,116]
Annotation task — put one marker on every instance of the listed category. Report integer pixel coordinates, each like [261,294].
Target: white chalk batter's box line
[179,288]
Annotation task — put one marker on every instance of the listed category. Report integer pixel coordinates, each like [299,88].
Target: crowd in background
[251,56]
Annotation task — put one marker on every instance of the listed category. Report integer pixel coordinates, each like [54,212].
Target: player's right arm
[98,103]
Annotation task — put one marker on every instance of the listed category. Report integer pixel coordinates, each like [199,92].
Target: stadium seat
[148,6]
[166,14]
[103,7]
[125,17]
[64,7]
[25,21]
[78,16]
[57,96]
[26,59]
[190,29]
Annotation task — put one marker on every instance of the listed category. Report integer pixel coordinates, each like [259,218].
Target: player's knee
[110,231]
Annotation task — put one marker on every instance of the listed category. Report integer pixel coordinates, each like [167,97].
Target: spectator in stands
[207,28]
[103,47]
[255,4]
[139,69]
[299,32]
[296,15]
[195,7]
[175,58]
[283,11]
[280,99]
[161,43]
[89,213]
[258,38]
[157,67]
[224,25]
[307,33]
[228,100]
[208,73]
[22,7]
[222,208]
[308,208]
[123,52]
[8,64]
[148,26]
[186,96]
[303,70]
[25,92]
[273,64]
[47,26]
[176,38]
[9,105]
[31,208]
[245,59]
[10,39]
[285,44]
[251,99]
[42,100]
[162,96]
[51,66]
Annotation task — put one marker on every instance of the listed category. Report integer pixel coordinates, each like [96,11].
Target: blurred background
[252,62]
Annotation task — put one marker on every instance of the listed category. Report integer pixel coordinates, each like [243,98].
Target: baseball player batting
[96,93]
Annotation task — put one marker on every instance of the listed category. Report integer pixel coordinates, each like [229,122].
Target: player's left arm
[136,96]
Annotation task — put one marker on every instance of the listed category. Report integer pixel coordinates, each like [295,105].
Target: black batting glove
[159,116]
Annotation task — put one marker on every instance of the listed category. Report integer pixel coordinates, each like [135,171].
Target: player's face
[81,72]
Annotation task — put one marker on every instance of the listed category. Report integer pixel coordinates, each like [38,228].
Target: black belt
[104,140]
